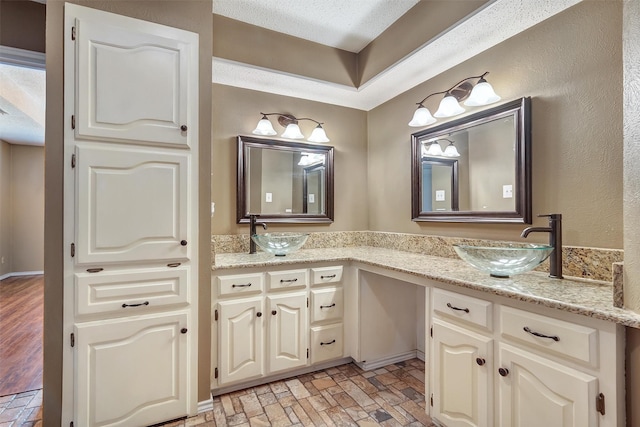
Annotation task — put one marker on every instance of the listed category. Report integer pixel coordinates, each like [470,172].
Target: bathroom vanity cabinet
[273,321]
[490,360]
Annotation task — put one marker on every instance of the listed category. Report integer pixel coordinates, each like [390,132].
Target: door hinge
[73,161]
[71,424]
[431,400]
[215,374]
[307,353]
[73,250]
[431,331]
[73,339]
[307,302]
[600,403]
[73,122]
[73,33]
[216,315]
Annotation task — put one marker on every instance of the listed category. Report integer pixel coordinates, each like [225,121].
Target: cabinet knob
[183,128]
[503,372]
[183,242]
[259,314]
[274,312]
[480,361]
[183,330]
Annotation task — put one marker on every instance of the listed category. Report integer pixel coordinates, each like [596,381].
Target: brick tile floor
[21,410]
[342,396]
[392,396]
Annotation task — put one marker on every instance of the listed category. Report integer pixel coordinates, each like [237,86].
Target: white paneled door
[130,201]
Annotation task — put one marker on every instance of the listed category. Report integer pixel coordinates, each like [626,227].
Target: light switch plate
[312,198]
[268,197]
[507,191]
[439,195]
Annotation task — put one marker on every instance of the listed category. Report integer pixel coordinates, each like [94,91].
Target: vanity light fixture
[481,93]
[292,130]
[307,159]
[435,150]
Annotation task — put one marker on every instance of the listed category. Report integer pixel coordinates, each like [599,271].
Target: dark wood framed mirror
[491,179]
[283,181]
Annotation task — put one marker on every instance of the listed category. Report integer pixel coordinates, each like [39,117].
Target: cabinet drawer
[129,291]
[322,275]
[326,304]
[326,343]
[240,284]
[289,279]
[463,308]
[553,335]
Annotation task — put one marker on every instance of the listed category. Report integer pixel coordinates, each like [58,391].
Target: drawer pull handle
[453,307]
[328,343]
[184,128]
[183,243]
[274,312]
[538,334]
[241,286]
[183,330]
[503,372]
[331,276]
[328,306]
[173,264]
[94,270]
[259,314]
[480,361]
[135,305]
[288,280]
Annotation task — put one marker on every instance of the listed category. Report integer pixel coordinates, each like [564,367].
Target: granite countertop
[581,296]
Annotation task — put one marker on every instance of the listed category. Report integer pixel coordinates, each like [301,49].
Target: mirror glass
[284,181]
[475,169]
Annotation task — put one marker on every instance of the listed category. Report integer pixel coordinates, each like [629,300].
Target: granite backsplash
[586,263]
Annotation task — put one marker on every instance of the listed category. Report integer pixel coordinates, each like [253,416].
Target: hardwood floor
[21,317]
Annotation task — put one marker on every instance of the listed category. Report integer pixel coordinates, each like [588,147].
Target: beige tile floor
[341,396]
[21,410]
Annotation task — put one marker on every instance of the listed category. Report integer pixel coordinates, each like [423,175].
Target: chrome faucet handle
[552,216]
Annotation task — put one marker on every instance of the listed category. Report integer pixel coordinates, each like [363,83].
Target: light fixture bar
[292,130]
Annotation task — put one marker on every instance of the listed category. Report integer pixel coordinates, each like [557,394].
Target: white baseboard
[205,405]
[21,273]
[420,355]
[375,364]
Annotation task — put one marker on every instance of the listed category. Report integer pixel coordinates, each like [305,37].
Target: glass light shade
[482,94]
[292,132]
[305,160]
[264,128]
[449,107]
[318,135]
[435,149]
[421,117]
[451,151]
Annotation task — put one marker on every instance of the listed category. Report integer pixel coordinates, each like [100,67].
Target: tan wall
[572,69]
[236,112]
[192,15]
[22,24]
[5,207]
[27,208]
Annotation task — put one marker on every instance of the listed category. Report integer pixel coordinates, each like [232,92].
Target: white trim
[205,405]
[21,273]
[21,57]
[380,363]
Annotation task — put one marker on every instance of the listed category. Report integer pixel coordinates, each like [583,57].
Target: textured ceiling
[345,24]
[22,104]
[498,21]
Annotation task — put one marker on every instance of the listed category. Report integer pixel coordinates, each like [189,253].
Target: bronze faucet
[252,231]
[555,240]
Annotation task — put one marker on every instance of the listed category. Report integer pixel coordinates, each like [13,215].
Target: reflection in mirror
[476,168]
[284,181]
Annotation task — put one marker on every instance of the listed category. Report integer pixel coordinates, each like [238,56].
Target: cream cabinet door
[240,340]
[288,331]
[133,84]
[132,205]
[462,383]
[129,370]
[534,392]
